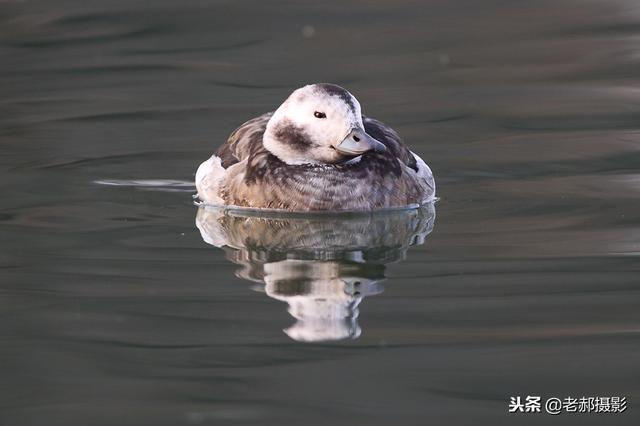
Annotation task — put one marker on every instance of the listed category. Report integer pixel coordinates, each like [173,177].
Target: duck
[316,152]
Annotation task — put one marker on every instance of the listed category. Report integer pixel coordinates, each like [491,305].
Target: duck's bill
[358,142]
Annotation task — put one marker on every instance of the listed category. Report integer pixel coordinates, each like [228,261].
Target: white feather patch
[424,172]
[209,178]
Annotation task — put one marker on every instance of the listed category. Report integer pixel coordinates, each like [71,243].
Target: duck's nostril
[355,138]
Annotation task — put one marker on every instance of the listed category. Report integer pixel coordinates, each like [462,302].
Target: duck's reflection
[322,265]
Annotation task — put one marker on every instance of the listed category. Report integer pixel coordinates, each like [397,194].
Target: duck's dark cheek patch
[293,136]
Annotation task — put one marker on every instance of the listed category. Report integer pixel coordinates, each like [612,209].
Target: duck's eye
[319,114]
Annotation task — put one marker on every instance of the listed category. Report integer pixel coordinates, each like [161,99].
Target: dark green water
[117,310]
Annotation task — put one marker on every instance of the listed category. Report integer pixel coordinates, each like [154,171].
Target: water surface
[115,310]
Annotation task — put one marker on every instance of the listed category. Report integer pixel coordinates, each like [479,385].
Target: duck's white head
[318,123]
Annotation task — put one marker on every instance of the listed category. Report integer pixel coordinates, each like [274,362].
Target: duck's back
[244,141]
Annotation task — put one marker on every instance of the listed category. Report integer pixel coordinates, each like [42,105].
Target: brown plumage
[245,173]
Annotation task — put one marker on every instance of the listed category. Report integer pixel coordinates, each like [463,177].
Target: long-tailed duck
[316,152]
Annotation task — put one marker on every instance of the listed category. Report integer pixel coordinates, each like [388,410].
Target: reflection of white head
[344,260]
[322,299]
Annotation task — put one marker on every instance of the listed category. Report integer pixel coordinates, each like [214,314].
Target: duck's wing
[244,140]
[391,139]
